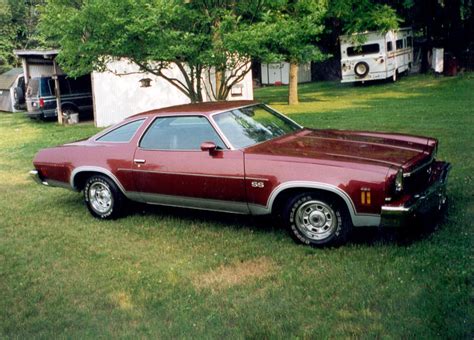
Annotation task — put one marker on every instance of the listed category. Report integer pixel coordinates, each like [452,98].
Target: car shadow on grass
[403,236]
[234,221]
[412,233]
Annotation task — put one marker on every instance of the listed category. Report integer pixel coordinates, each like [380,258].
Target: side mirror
[209,147]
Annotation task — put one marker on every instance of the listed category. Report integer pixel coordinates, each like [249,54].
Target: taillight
[41,102]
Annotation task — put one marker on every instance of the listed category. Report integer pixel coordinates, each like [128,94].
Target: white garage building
[119,96]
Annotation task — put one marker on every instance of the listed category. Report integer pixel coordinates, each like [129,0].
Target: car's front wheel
[104,200]
[316,220]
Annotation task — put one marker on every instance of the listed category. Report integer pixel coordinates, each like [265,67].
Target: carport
[42,63]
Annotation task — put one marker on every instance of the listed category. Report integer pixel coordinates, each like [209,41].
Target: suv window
[46,89]
[81,84]
[33,87]
[123,133]
[389,46]
[180,133]
[64,85]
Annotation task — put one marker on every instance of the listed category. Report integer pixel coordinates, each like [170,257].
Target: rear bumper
[431,201]
[34,174]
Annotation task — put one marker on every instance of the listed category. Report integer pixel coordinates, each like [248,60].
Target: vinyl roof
[8,78]
[206,108]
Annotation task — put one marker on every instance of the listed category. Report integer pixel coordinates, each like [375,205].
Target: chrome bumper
[432,200]
[36,177]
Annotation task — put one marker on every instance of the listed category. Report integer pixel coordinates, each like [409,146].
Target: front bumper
[430,201]
[36,177]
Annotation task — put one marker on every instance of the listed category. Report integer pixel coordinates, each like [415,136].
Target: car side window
[81,84]
[180,133]
[64,85]
[123,133]
[399,44]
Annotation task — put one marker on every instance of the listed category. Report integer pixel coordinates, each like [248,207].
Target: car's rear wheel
[103,198]
[316,220]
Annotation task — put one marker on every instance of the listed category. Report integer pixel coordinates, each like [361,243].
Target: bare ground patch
[122,300]
[234,274]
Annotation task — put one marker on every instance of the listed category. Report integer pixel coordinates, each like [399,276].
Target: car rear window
[33,87]
[123,133]
[364,49]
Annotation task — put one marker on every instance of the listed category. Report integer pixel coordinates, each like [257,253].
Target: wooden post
[26,71]
[57,92]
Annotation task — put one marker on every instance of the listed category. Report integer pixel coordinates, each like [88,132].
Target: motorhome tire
[361,69]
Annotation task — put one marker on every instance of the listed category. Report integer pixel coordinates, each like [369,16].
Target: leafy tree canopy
[18,29]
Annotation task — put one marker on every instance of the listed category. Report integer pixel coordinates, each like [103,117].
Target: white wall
[117,97]
[241,91]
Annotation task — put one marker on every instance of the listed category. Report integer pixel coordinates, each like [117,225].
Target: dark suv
[76,97]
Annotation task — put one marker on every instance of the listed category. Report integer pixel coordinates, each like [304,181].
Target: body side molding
[191,202]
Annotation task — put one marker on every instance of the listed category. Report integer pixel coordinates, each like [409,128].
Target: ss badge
[257,184]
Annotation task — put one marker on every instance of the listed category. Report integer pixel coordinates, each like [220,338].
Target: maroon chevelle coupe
[243,157]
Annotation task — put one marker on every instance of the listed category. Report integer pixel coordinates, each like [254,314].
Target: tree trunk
[293,87]
[219,85]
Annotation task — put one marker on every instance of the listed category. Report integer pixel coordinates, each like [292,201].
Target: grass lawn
[175,273]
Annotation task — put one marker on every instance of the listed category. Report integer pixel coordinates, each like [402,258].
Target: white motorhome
[376,55]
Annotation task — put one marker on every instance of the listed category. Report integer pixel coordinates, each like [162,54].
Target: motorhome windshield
[363,49]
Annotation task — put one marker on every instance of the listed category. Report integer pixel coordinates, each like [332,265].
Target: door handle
[139,161]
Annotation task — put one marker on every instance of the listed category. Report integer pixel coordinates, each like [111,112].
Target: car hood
[385,149]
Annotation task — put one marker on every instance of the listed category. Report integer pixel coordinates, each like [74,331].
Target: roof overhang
[45,54]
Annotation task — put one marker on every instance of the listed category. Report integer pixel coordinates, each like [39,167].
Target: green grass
[171,273]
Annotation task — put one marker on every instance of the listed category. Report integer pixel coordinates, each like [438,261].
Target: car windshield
[253,124]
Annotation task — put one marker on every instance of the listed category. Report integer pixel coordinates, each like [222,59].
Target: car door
[171,169]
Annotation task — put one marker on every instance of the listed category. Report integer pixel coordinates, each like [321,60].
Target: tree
[235,39]
[293,29]
[6,36]
[18,23]
[448,24]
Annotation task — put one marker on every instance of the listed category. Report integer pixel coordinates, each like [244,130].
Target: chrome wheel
[100,197]
[316,220]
